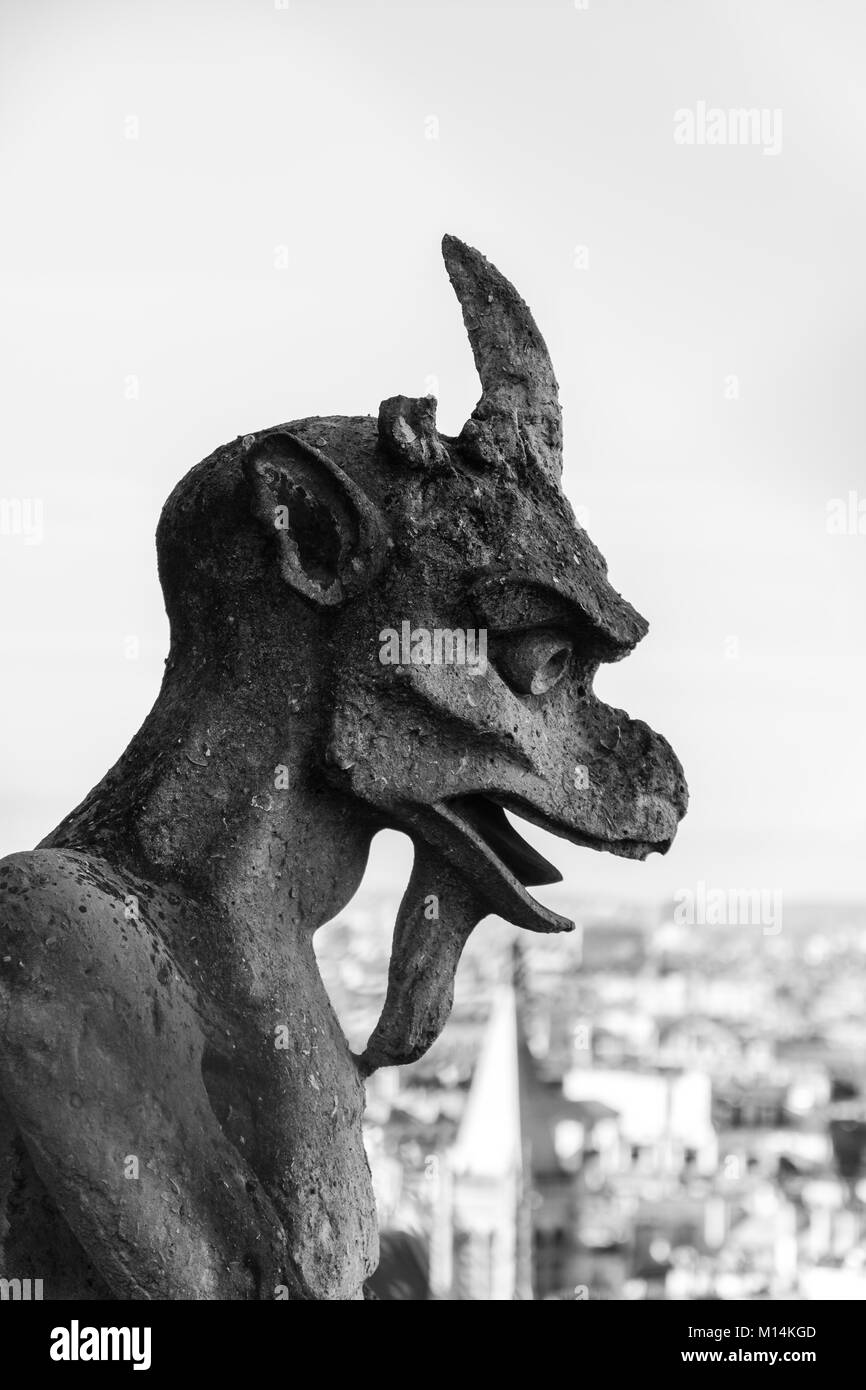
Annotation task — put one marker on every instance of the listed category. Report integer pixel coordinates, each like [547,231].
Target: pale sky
[220,214]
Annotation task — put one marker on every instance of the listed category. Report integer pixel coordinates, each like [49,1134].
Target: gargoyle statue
[181,1113]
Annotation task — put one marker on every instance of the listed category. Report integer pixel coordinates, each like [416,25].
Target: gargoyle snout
[640,784]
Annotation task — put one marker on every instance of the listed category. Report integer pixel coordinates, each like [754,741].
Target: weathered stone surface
[181,1114]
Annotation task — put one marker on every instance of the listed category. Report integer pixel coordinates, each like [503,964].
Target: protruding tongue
[436,917]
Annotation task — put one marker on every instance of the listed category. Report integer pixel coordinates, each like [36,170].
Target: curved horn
[518,415]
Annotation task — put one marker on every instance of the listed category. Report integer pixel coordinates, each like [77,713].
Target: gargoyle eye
[531,662]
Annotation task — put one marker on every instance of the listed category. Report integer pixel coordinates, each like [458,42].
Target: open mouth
[625,846]
[473,836]
[490,824]
[475,831]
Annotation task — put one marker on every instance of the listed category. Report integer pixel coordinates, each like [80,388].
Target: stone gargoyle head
[433,617]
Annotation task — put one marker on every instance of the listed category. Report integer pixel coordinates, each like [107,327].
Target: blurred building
[665,1115]
[513,1188]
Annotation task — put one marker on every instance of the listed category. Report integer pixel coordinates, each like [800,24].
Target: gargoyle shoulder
[70,923]
[43,894]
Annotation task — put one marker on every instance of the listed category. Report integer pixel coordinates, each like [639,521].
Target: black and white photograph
[432,558]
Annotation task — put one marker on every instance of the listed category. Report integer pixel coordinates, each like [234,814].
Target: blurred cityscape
[637,1110]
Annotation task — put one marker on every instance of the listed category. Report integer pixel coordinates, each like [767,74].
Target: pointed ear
[330,537]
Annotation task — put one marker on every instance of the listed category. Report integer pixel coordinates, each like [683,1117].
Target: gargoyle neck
[222,791]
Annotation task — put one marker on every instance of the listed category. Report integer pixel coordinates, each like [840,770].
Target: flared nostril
[681,796]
